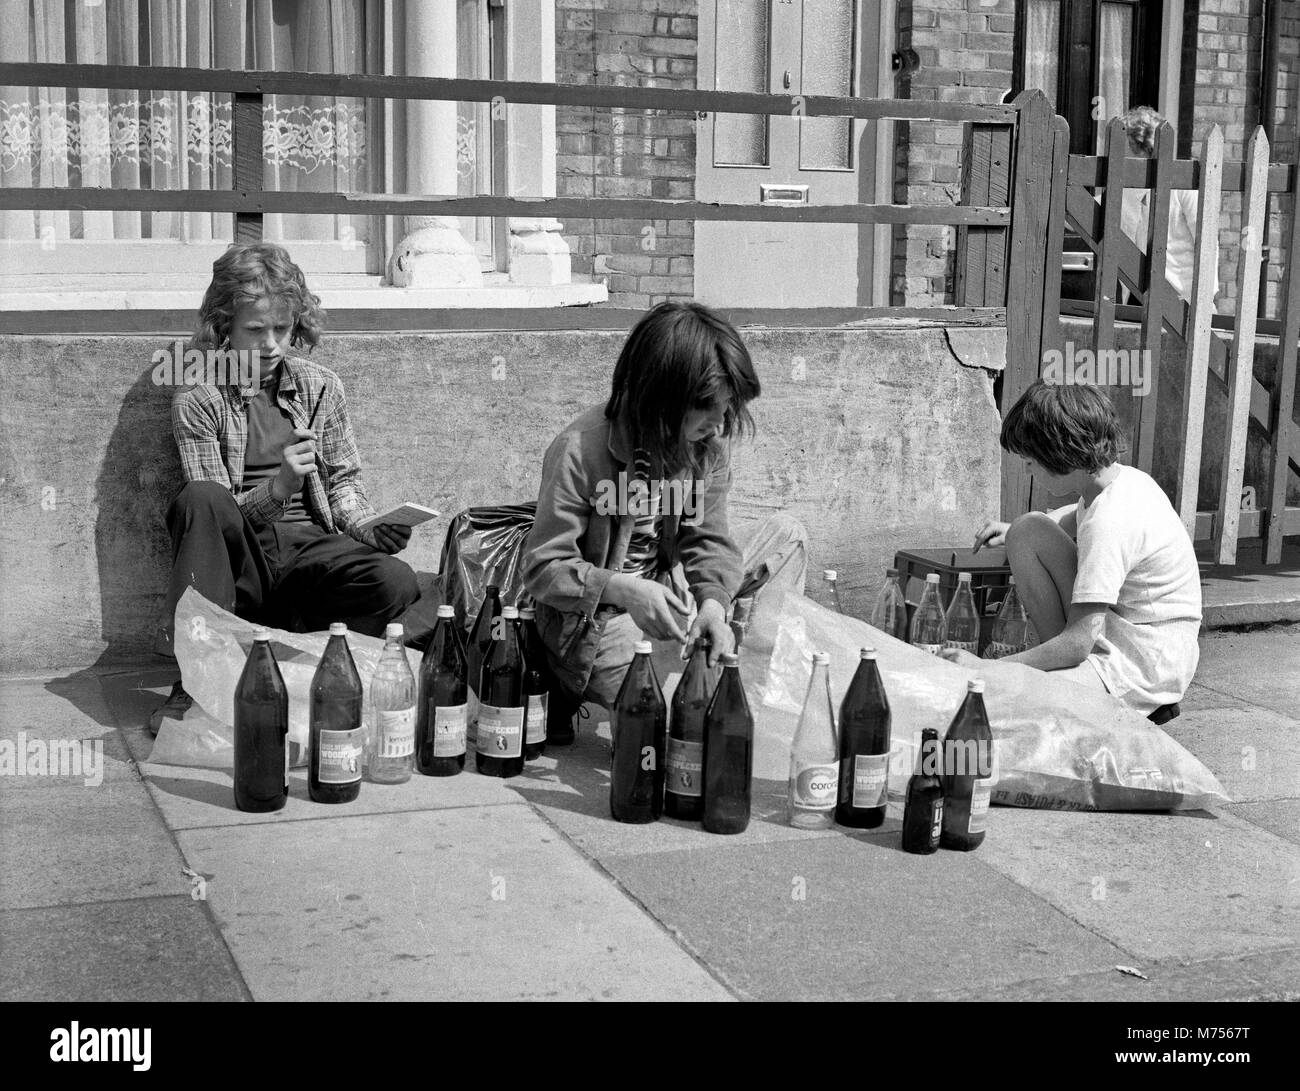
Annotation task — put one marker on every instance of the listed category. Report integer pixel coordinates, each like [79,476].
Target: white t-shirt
[1180,247]
[1136,557]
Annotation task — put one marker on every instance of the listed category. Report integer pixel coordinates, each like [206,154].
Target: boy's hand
[991,534]
[391,537]
[711,624]
[296,461]
[656,611]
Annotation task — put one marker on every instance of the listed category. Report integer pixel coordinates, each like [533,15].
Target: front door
[794,47]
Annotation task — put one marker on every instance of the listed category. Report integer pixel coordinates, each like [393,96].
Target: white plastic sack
[211,647]
[1057,744]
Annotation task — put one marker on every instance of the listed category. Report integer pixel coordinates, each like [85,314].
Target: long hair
[247,273]
[679,357]
[1063,428]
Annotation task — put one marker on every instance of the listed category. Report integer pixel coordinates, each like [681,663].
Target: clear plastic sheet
[1057,744]
[211,647]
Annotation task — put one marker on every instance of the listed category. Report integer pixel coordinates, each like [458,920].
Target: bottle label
[971,646]
[535,725]
[979,804]
[998,650]
[936,827]
[685,767]
[396,733]
[500,731]
[340,756]
[816,786]
[870,779]
[933,649]
[450,724]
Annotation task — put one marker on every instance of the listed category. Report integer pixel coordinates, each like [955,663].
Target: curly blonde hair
[248,273]
[1141,124]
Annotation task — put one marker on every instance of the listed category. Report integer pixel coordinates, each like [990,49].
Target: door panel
[811,47]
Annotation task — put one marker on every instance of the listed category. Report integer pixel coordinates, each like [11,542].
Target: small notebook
[407,515]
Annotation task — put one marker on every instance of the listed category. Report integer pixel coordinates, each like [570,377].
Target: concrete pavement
[152,886]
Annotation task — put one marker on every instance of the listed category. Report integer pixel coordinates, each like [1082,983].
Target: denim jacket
[573,549]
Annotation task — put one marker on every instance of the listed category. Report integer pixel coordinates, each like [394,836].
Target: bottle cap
[446,611]
[929,734]
[963,577]
[867,653]
[527,613]
[337,628]
[643,647]
[393,631]
[510,612]
[261,634]
[933,577]
[830,575]
[821,657]
[1011,581]
[975,685]
[729,659]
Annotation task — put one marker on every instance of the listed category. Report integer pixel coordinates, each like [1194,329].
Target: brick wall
[628,153]
[964,48]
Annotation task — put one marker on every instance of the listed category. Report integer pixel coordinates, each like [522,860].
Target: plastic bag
[1057,744]
[484,545]
[211,648]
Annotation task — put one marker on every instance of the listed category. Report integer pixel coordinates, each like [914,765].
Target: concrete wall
[876,439]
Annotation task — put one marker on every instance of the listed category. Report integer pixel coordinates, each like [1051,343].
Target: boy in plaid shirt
[267,525]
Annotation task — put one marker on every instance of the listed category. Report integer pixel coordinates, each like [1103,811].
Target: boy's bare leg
[1044,560]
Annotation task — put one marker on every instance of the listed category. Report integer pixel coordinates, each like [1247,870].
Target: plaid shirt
[211,429]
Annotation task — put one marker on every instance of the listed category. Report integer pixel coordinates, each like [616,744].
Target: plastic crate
[990,576]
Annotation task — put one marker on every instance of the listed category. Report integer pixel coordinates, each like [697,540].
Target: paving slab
[853,917]
[1199,697]
[60,732]
[141,949]
[60,846]
[1182,886]
[574,795]
[1279,816]
[484,903]
[1255,752]
[1261,667]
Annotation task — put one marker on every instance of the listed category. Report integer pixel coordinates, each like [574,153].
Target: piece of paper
[408,515]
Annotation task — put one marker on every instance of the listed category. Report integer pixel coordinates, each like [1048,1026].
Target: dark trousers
[293,576]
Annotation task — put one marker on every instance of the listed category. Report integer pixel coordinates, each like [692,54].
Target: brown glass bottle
[728,753]
[537,686]
[684,784]
[261,731]
[441,717]
[500,741]
[864,747]
[967,772]
[639,728]
[337,735]
[923,806]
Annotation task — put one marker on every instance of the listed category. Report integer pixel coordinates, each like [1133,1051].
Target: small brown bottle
[923,808]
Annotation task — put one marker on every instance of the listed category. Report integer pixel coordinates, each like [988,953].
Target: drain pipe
[1267,115]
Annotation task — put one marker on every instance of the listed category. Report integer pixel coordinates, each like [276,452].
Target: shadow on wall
[138,477]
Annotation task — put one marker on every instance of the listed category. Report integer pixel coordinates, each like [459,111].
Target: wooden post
[1158,291]
[1030,228]
[1241,363]
[1107,263]
[981,279]
[1051,329]
[246,166]
[1199,336]
[1282,404]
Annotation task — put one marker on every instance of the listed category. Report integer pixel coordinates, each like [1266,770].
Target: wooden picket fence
[1051,188]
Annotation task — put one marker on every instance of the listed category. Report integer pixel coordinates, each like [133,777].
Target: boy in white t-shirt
[1111,583]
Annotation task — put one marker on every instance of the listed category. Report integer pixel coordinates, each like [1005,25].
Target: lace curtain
[1042,47]
[179,140]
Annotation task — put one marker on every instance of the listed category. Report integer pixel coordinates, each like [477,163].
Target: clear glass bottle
[832,580]
[962,621]
[929,631]
[392,713]
[1012,629]
[889,614]
[814,755]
